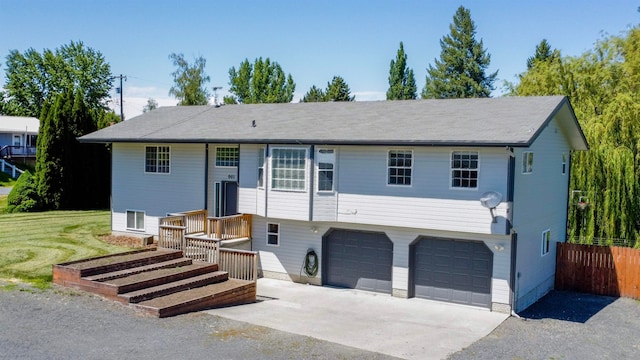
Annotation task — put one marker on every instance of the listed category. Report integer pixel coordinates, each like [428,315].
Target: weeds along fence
[600,270]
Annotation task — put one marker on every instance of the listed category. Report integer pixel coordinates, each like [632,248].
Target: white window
[227,156]
[288,169]
[261,168]
[564,163]
[464,169]
[326,160]
[135,220]
[527,162]
[273,234]
[17,140]
[399,167]
[157,159]
[546,241]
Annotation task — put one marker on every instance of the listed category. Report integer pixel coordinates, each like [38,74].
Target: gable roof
[505,121]
[19,124]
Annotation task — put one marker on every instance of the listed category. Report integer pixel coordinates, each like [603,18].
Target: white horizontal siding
[296,237]
[540,203]
[437,214]
[156,194]
[325,207]
[248,179]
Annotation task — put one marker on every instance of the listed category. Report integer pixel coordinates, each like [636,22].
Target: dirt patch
[125,241]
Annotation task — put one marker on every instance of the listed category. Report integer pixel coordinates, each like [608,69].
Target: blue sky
[312,40]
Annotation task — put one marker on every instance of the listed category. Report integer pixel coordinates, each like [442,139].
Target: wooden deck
[160,282]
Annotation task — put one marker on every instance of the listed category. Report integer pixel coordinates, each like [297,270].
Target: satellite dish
[490,200]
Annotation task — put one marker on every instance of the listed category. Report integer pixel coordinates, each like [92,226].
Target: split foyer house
[458,200]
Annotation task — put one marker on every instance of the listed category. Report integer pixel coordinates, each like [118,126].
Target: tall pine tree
[338,90]
[461,70]
[402,83]
[543,53]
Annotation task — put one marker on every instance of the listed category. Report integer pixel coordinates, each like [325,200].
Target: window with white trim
[261,168]
[17,140]
[288,169]
[564,163]
[527,162]
[157,159]
[326,160]
[399,167]
[135,220]
[546,241]
[273,234]
[464,169]
[227,156]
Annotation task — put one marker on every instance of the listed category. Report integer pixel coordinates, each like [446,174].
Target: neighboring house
[387,193]
[18,137]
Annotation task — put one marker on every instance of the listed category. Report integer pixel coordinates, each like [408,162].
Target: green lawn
[31,242]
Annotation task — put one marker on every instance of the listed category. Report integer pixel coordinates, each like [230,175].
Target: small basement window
[527,162]
[546,241]
[135,220]
[273,234]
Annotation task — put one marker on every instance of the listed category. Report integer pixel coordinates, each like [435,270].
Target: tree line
[67,89]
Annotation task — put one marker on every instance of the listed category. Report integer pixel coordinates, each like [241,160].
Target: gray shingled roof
[505,121]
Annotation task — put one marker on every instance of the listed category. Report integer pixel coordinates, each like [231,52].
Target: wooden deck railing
[240,264]
[229,227]
[171,237]
[199,237]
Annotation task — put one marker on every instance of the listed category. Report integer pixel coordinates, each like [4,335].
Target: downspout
[311,180]
[566,218]
[206,176]
[511,179]
[267,179]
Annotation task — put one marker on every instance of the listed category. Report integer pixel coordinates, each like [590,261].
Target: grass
[30,243]
[6,180]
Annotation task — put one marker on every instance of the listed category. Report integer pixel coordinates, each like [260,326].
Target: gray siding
[156,194]
[540,203]
[248,179]
[296,237]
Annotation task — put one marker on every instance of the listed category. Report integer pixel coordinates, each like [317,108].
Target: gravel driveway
[565,325]
[64,324]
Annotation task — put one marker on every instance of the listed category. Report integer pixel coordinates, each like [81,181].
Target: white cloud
[369,95]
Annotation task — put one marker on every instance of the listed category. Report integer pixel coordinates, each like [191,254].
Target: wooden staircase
[161,282]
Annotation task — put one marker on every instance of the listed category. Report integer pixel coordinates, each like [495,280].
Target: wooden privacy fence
[601,270]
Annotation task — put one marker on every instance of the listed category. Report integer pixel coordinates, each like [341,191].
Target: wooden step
[230,292]
[116,262]
[173,287]
[144,280]
[127,272]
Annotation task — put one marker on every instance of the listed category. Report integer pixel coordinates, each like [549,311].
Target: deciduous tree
[32,77]
[189,81]
[151,105]
[461,70]
[263,81]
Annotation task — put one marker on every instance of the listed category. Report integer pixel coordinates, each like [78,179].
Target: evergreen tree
[261,82]
[314,95]
[338,90]
[189,81]
[402,83]
[543,53]
[461,70]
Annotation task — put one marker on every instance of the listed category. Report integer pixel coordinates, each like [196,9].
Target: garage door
[358,260]
[453,271]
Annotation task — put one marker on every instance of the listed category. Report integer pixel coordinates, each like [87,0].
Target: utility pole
[119,91]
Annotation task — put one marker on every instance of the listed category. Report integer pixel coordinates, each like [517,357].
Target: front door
[229,198]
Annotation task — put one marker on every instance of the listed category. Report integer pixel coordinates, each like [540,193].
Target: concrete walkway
[405,328]
[5,190]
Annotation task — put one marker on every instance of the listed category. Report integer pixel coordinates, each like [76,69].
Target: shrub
[23,196]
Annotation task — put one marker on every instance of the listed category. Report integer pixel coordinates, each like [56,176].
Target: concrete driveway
[405,328]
